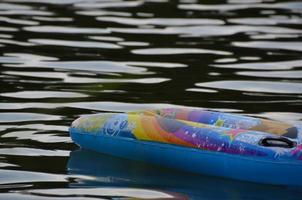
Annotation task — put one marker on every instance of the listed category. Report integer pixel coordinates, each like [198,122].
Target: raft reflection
[107,171]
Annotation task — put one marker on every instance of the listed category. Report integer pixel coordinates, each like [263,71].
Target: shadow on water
[101,170]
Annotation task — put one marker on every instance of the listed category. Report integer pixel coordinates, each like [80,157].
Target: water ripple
[278,65]
[10,6]
[23,117]
[18,21]
[266,21]
[82,44]
[32,152]
[64,29]
[103,13]
[42,94]
[296,6]
[63,59]
[26,12]
[27,176]
[113,4]
[14,42]
[173,51]
[293,46]
[256,86]
[161,21]
[297,74]
[207,31]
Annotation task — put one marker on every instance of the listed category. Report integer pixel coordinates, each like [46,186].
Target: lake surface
[60,59]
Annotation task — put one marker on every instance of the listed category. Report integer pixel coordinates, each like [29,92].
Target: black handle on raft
[277,142]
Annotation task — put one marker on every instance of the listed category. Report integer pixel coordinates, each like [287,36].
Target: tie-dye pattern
[226,120]
[192,128]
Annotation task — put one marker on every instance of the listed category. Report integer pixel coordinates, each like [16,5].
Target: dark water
[63,58]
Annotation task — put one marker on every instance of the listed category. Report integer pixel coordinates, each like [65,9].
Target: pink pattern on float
[298,152]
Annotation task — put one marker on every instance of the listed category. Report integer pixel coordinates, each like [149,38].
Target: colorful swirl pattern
[204,130]
[226,120]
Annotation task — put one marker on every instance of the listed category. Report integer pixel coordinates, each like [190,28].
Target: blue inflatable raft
[205,142]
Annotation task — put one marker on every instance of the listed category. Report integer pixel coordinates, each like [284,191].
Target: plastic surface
[191,146]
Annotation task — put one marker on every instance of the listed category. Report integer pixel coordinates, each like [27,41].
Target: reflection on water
[102,170]
[61,59]
[107,192]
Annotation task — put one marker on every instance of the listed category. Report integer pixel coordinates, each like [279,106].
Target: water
[62,59]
